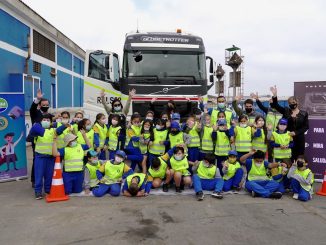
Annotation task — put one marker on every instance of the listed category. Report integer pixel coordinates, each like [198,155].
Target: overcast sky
[282,41]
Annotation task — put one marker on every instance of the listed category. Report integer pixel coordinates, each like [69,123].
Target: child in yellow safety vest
[113,134]
[93,164]
[65,117]
[207,177]
[136,185]
[260,134]
[302,179]
[101,135]
[280,175]
[191,128]
[72,156]
[179,168]
[111,174]
[206,137]
[146,135]
[243,136]
[157,146]
[78,117]
[159,172]
[222,138]
[282,142]
[232,172]
[132,148]
[176,136]
[85,125]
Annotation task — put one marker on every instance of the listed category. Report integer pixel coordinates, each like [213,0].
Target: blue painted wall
[9,63]
[13,31]
[64,58]
[64,89]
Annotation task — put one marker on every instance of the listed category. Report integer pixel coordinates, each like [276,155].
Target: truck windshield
[163,64]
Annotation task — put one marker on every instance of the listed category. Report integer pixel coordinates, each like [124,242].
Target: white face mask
[73,144]
[78,119]
[117,108]
[146,128]
[149,118]
[178,157]
[46,124]
[118,159]
[59,120]
[65,121]
[243,125]
[260,124]
[258,164]
[114,122]
[136,124]
[88,127]
[158,127]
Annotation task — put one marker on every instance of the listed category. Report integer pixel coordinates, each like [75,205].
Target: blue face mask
[221,105]
[45,124]
[117,108]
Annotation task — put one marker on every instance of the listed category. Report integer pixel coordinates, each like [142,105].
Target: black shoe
[200,196]
[236,188]
[38,196]
[276,195]
[177,189]
[165,188]
[182,187]
[217,195]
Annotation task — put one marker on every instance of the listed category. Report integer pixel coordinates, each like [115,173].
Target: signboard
[312,98]
[13,162]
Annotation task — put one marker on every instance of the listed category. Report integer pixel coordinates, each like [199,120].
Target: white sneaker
[296,196]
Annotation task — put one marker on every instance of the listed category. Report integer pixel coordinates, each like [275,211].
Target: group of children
[206,152]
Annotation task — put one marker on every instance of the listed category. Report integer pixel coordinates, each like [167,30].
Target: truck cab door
[103,66]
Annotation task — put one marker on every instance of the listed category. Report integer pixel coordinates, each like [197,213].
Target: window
[37,67]
[43,46]
[98,66]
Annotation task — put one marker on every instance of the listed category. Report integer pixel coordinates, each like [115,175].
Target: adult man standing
[249,109]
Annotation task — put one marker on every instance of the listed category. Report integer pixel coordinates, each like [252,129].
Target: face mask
[103,121]
[44,108]
[198,116]
[117,108]
[243,125]
[260,124]
[45,124]
[221,105]
[149,118]
[177,157]
[164,119]
[206,164]
[146,128]
[293,106]
[88,127]
[248,110]
[158,127]
[282,127]
[300,164]
[94,162]
[221,128]
[258,164]
[114,122]
[59,120]
[136,124]
[65,121]
[73,144]
[118,159]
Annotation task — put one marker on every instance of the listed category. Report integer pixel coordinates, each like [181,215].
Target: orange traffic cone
[322,190]
[57,192]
